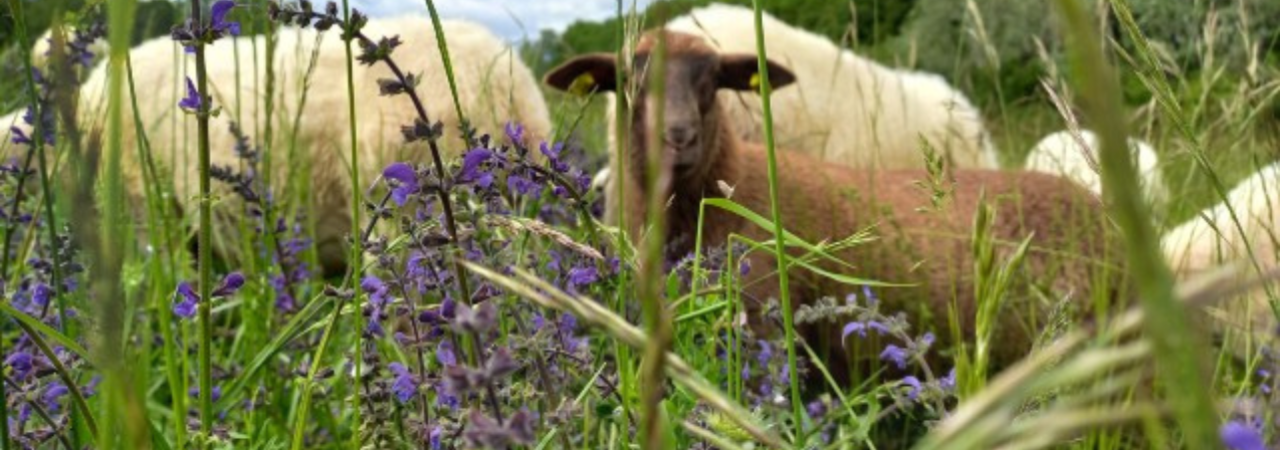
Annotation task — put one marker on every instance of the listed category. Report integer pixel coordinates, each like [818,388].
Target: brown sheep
[822,201]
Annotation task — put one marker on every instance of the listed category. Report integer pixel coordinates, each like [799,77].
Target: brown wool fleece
[931,249]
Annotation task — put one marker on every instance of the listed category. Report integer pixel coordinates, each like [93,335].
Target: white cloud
[511,19]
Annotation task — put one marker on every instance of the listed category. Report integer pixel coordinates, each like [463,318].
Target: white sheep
[844,108]
[1061,153]
[1213,238]
[494,87]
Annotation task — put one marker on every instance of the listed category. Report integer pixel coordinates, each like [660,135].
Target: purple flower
[472,170]
[379,293]
[538,321]
[553,156]
[230,284]
[444,354]
[448,308]
[192,101]
[433,438]
[218,18]
[551,152]
[1239,436]
[861,328]
[582,276]
[19,137]
[194,392]
[42,294]
[565,326]
[927,340]
[444,398]
[895,354]
[816,409]
[371,284]
[872,300]
[766,353]
[853,327]
[515,132]
[948,383]
[51,395]
[880,328]
[521,185]
[553,261]
[744,267]
[187,307]
[746,371]
[407,180]
[92,388]
[21,362]
[914,384]
[404,385]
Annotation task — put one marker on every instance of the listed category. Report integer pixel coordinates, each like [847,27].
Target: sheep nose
[681,135]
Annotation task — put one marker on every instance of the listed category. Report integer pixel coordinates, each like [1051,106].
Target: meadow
[203,250]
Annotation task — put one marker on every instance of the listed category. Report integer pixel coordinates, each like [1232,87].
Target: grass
[490,310]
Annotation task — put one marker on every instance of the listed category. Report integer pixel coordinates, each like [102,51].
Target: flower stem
[356,244]
[204,238]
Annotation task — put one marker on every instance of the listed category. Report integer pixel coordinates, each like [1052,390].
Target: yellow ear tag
[755,81]
[583,84]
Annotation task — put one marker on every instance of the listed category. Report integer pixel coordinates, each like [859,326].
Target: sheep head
[692,130]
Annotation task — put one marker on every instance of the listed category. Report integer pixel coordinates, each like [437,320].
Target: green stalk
[356,243]
[1178,351]
[160,238]
[653,426]
[204,238]
[788,326]
[304,405]
[622,353]
[125,420]
[448,66]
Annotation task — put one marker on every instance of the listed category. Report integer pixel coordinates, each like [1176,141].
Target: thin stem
[356,206]
[443,192]
[780,251]
[205,237]
[448,70]
[622,117]
[300,427]
[417,339]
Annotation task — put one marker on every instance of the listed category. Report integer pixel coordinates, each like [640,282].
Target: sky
[511,19]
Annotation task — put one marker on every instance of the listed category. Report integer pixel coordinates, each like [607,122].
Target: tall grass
[1179,353]
[780,251]
[668,363]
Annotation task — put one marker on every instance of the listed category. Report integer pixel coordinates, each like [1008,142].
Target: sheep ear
[584,74]
[740,73]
